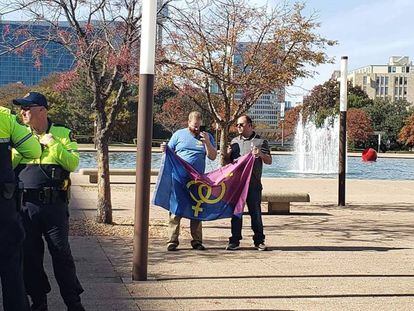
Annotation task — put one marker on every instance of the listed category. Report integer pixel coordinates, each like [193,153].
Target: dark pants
[254,199]
[51,221]
[11,274]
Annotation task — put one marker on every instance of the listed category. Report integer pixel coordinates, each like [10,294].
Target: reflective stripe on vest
[21,141]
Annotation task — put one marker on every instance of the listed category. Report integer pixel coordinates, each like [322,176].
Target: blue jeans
[254,200]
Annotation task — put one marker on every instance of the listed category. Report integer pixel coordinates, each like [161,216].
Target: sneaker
[232,247]
[199,247]
[261,247]
[172,247]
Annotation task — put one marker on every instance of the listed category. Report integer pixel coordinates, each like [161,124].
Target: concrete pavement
[321,257]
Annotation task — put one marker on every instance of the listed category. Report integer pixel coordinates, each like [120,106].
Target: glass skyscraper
[22,65]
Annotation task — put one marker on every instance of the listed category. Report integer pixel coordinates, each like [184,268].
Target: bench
[279,202]
[93,173]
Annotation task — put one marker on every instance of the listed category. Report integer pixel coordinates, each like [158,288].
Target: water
[316,149]
[283,166]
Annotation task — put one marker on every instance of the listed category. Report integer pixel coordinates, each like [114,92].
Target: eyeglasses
[241,124]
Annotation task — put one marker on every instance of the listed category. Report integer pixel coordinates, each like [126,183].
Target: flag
[187,193]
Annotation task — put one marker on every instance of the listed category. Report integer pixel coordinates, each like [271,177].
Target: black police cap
[31,99]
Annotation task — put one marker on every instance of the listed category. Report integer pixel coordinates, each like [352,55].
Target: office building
[266,109]
[29,65]
[394,80]
[162,17]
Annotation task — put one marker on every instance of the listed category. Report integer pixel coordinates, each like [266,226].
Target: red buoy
[369,154]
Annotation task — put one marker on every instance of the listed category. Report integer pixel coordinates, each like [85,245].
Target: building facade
[394,80]
[30,65]
[266,110]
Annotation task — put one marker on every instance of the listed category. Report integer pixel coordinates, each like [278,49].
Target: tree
[290,123]
[161,96]
[103,38]
[234,52]
[359,127]
[11,91]
[173,115]
[76,111]
[323,100]
[388,116]
[406,135]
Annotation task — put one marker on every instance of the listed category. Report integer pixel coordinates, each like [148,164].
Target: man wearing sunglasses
[45,205]
[249,141]
[12,135]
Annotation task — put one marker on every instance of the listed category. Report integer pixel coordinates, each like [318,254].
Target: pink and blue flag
[187,193]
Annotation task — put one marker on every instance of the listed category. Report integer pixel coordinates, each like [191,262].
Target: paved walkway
[321,257]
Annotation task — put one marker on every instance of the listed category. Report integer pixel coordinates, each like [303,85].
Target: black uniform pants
[11,273]
[52,222]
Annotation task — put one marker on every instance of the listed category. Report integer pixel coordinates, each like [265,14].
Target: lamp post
[343,99]
[95,124]
[282,118]
[217,127]
[144,136]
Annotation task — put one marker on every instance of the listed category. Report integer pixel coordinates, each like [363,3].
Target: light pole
[144,136]
[343,99]
[282,118]
[217,127]
[94,133]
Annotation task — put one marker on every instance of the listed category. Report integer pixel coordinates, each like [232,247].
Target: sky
[367,31]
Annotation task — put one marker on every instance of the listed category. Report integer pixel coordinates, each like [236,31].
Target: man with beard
[192,145]
[249,142]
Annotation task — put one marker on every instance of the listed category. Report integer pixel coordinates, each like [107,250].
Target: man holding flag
[249,142]
[192,145]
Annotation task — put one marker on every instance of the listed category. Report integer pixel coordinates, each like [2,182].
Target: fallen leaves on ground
[120,227]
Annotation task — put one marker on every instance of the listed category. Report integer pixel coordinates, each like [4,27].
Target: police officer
[14,135]
[45,205]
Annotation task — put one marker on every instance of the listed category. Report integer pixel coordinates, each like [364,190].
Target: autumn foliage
[290,123]
[359,125]
[406,135]
[235,51]
[174,113]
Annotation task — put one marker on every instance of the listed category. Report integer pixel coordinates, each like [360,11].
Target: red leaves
[89,28]
[66,80]
[359,125]
[37,53]
[122,59]
[6,30]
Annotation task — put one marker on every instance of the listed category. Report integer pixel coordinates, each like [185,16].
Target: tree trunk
[104,206]
[224,135]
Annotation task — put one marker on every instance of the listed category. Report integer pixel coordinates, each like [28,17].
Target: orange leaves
[290,122]
[406,135]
